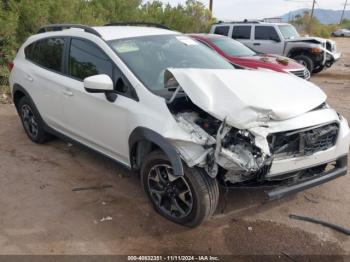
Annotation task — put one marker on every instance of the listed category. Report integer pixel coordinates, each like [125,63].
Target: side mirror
[98,84]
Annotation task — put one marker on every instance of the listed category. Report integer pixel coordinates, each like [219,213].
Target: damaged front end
[272,147]
[225,149]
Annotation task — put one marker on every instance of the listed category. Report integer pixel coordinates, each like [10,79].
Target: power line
[312,10]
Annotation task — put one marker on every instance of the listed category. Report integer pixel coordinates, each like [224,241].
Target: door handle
[68,93]
[256,44]
[29,78]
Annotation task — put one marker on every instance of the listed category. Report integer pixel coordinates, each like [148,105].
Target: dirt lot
[40,214]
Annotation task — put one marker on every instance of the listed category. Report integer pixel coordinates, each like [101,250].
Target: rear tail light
[10,66]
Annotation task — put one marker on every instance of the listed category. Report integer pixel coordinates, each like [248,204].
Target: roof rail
[241,22]
[136,23]
[60,27]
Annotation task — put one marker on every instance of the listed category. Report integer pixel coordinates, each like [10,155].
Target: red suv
[243,57]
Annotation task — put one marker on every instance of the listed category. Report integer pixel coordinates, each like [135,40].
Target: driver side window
[86,59]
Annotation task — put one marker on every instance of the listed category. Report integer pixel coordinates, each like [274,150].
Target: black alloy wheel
[171,194]
[30,122]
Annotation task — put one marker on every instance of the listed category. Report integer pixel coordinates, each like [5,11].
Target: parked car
[341,32]
[283,39]
[244,57]
[181,116]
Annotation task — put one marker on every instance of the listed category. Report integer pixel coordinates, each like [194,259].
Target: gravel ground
[40,214]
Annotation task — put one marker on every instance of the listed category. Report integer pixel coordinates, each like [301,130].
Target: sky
[256,9]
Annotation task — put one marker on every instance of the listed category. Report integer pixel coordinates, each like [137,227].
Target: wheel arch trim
[145,134]
[18,88]
[298,51]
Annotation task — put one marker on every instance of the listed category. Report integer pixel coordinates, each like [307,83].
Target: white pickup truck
[283,39]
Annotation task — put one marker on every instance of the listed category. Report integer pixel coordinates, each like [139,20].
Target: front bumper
[339,170]
[331,58]
[336,56]
[288,165]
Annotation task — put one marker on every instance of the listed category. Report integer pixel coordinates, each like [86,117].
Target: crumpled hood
[248,98]
[308,39]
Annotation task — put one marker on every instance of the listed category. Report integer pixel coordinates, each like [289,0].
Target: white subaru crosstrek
[171,109]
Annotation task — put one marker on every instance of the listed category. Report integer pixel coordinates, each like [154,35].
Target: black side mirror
[111,96]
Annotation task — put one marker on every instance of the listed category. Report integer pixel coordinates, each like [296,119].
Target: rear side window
[266,33]
[222,30]
[241,32]
[28,51]
[47,53]
[86,59]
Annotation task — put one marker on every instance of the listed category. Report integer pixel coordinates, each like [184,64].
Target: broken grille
[303,142]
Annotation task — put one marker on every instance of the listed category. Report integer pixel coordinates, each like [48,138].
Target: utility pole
[312,10]
[312,15]
[211,6]
[342,15]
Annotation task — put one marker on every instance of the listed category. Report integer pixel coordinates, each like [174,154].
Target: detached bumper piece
[339,169]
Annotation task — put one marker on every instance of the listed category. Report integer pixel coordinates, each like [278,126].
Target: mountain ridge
[325,16]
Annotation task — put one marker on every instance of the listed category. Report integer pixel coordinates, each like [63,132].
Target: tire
[201,197]
[32,122]
[318,69]
[305,61]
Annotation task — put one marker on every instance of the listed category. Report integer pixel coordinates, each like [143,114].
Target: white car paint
[341,32]
[99,82]
[224,92]
[279,102]
[120,32]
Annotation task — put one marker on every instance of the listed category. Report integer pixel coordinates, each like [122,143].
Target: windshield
[232,47]
[288,31]
[149,56]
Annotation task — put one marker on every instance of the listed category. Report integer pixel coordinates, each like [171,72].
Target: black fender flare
[146,134]
[300,50]
[18,87]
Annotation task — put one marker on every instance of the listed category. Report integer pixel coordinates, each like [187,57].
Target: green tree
[25,17]
[32,14]
[8,25]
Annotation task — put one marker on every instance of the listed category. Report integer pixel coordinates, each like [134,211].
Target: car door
[243,34]
[267,40]
[45,77]
[96,119]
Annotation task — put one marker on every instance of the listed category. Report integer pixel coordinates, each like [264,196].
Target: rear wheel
[32,123]
[305,61]
[187,200]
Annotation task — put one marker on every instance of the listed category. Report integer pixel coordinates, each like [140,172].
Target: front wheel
[318,69]
[305,61]
[187,200]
